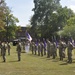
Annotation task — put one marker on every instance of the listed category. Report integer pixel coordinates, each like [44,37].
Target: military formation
[50,49]
[41,48]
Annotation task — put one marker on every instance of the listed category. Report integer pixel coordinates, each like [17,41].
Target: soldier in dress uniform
[19,51]
[69,51]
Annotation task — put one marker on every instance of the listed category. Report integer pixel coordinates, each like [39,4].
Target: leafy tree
[48,16]
[42,15]
[8,22]
[69,29]
[3,9]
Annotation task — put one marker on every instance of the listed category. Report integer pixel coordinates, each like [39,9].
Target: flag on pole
[28,36]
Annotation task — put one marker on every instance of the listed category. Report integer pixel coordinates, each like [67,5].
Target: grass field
[35,65]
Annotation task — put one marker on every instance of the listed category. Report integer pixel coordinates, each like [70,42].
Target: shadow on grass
[10,61]
[73,62]
[14,61]
[64,63]
[55,60]
[42,57]
[48,58]
[23,52]
[33,55]
[2,62]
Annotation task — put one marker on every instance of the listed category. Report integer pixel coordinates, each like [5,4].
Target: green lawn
[35,65]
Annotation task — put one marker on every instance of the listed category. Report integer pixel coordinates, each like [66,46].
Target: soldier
[42,48]
[70,48]
[33,47]
[48,48]
[19,51]
[62,47]
[3,52]
[54,50]
[36,46]
[45,46]
[39,48]
[23,44]
[8,46]
[1,48]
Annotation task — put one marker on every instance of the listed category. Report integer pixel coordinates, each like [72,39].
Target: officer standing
[69,52]
[3,52]
[19,51]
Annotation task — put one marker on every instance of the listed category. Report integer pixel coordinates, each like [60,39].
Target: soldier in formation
[36,46]
[48,48]
[39,48]
[69,51]
[42,49]
[33,47]
[62,47]
[45,46]
[19,51]
[54,50]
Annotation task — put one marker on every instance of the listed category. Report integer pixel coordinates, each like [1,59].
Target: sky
[22,9]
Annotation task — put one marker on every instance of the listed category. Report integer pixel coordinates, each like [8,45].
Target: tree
[60,21]
[48,16]
[10,25]
[42,16]
[69,29]
[8,22]
[3,9]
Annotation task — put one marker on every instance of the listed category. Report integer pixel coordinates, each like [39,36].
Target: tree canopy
[69,29]
[49,18]
[8,22]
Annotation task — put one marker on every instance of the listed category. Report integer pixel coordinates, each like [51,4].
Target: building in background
[21,34]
